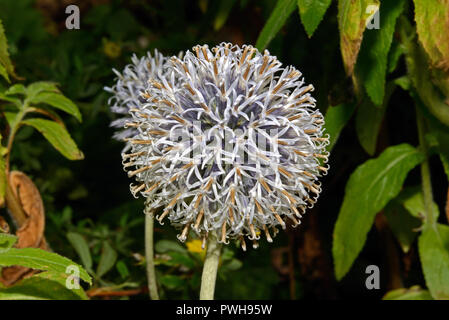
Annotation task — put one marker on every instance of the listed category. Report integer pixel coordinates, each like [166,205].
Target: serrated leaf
[7,241]
[41,260]
[370,187]
[38,288]
[62,279]
[16,89]
[413,293]
[58,136]
[371,66]
[107,259]
[433,245]
[368,121]
[277,19]
[432,23]
[82,248]
[352,18]
[58,101]
[5,61]
[312,12]
[163,246]
[41,86]
[4,73]
[336,119]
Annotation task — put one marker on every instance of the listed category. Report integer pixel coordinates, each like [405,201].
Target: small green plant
[20,106]
[376,190]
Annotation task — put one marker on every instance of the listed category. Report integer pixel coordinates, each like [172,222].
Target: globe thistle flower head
[128,87]
[230,143]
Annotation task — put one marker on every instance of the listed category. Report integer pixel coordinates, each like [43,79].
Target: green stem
[425,171]
[210,268]
[13,204]
[149,253]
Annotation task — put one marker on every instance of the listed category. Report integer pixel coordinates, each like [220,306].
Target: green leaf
[63,278]
[58,101]
[41,260]
[16,89]
[369,119]
[441,138]
[172,282]
[16,101]
[403,225]
[38,288]
[396,51]
[432,23]
[178,258]
[223,13]
[122,269]
[277,19]
[7,241]
[370,187]
[404,82]
[352,18]
[433,246]
[5,62]
[4,73]
[163,246]
[312,12]
[336,119]
[58,136]
[107,259]
[41,86]
[413,202]
[82,248]
[371,65]
[413,293]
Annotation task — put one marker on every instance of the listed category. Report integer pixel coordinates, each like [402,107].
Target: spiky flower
[126,92]
[229,142]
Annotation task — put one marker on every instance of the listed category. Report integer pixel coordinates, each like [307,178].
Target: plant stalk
[149,254]
[13,204]
[210,268]
[425,171]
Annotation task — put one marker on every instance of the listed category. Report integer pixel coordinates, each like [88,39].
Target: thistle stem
[149,254]
[425,171]
[210,268]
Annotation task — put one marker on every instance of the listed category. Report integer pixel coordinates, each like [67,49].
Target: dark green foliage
[373,85]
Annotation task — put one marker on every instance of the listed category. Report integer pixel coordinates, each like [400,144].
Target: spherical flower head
[126,92]
[229,143]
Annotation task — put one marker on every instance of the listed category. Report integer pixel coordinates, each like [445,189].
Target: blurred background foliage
[91,216]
